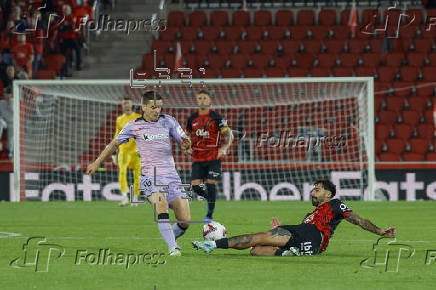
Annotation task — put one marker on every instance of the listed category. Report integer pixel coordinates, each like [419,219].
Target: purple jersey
[154,145]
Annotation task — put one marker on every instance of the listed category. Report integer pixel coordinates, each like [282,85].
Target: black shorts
[206,170]
[305,237]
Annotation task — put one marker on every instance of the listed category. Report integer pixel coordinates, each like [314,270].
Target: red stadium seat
[402,89]
[233,32]
[428,115]
[239,60]
[378,101]
[417,15]
[430,156]
[219,18]
[197,18]
[306,17]
[394,59]
[334,46]
[169,33]
[211,32]
[284,18]
[341,31]
[275,72]
[230,73]
[345,17]
[357,45]
[411,117]
[403,131]
[378,146]
[376,45]
[318,72]
[427,33]
[298,32]
[312,46]
[55,62]
[424,90]
[416,59]
[419,145]
[203,47]
[371,60]
[429,73]
[364,72]
[395,145]
[224,46]
[327,17]
[255,32]
[276,32]
[426,131]
[389,157]
[284,61]
[260,61]
[382,131]
[262,18]
[407,32]
[326,60]
[160,46]
[423,45]
[210,73]
[319,32]
[189,32]
[418,103]
[217,61]
[349,59]
[342,71]
[386,73]
[148,61]
[387,117]
[409,74]
[240,18]
[269,46]
[176,18]
[290,46]
[247,46]
[298,72]
[45,74]
[368,16]
[412,156]
[304,60]
[252,72]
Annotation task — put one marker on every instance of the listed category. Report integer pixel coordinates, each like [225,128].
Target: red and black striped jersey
[326,218]
[204,130]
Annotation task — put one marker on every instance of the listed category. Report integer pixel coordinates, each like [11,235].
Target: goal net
[288,132]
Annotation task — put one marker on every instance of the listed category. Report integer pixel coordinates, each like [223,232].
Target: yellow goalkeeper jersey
[121,122]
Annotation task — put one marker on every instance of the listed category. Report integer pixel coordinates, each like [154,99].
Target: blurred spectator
[23,55]
[8,77]
[36,37]
[20,22]
[3,66]
[82,11]
[8,40]
[70,39]
[7,118]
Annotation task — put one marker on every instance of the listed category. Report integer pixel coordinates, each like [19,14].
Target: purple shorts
[169,185]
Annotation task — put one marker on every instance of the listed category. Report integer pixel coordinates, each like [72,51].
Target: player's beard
[315,202]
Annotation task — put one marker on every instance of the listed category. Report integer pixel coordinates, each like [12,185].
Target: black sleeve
[339,208]
[220,121]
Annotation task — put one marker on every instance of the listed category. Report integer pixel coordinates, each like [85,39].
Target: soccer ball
[214,231]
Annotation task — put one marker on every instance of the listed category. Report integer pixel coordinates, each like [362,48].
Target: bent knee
[253,251]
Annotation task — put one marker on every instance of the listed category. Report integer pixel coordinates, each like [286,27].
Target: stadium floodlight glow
[311,128]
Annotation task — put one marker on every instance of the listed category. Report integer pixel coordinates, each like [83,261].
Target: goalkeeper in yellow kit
[128,157]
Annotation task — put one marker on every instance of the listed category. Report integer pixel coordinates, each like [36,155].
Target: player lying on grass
[152,133]
[311,237]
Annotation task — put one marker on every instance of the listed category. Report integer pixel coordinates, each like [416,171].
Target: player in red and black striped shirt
[308,238]
[205,128]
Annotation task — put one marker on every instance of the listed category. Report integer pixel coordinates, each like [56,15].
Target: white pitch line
[9,235]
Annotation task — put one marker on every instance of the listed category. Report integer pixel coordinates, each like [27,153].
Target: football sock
[222,243]
[166,231]
[199,190]
[178,230]
[211,198]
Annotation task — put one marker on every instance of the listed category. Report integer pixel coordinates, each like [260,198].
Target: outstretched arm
[228,139]
[92,168]
[369,226]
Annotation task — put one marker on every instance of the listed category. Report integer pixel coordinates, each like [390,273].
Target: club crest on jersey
[148,137]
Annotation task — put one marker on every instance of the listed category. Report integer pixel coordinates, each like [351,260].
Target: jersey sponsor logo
[309,218]
[202,133]
[343,207]
[148,137]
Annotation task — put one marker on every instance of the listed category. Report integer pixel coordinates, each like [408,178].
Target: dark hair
[150,96]
[206,92]
[327,185]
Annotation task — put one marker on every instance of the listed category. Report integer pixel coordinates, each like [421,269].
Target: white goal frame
[369,140]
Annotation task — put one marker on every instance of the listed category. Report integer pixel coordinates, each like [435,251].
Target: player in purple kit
[152,133]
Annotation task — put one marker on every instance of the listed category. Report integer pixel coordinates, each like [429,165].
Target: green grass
[103,225]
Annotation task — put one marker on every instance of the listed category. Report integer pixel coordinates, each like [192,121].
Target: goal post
[289,132]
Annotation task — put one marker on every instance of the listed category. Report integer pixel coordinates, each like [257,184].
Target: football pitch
[98,245]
